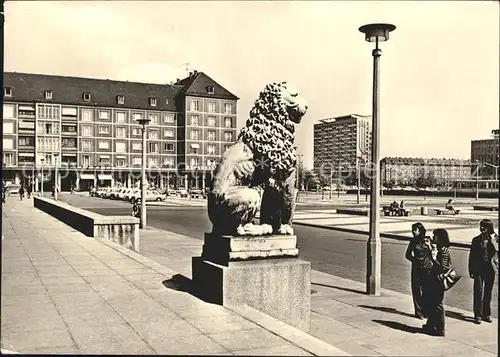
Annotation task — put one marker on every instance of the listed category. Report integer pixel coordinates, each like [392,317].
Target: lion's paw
[254,229]
[286,229]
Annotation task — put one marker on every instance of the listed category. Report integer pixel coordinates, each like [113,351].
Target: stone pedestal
[262,272]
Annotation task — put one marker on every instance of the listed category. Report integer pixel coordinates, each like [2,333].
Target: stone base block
[280,288]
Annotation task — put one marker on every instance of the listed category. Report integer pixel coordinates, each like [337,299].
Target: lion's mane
[269,133]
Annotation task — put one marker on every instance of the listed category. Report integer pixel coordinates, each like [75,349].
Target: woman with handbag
[435,284]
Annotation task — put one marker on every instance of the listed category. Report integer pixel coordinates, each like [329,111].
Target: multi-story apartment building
[487,152]
[404,171]
[88,128]
[339,142]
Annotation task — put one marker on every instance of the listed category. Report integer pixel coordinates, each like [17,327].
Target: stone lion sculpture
[258,171]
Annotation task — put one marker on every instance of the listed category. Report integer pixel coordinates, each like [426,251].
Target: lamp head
[374,32]
[143,121]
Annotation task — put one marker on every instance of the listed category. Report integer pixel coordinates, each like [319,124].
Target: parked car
[197,193]
[13,189]
[130,193]
[114,193]
[106,192]
[151,195]
[121,193]
[100,191]
[182,192]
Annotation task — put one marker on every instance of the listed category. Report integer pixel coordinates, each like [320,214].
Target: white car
[121,193]
[151,195]
[100,191]
[130,194]
[13,189]
[107,193]
[114,193]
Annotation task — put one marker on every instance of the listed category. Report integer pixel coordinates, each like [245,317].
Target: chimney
[195,72]
[190,74]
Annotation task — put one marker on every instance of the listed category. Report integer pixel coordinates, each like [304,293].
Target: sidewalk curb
[357,231]
[299,338]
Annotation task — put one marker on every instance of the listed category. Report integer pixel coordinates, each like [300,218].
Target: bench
[387,211]
[123,230]
[445,212]
[485,208]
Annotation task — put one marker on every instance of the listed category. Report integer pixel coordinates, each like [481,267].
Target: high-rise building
[88,127]
[339,141]
[486,151]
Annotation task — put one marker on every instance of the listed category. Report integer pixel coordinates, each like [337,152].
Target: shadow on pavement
[387,309]
[399,326]
[450,314]
[180,283]
[339,288]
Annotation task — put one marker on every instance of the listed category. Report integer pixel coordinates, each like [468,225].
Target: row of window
[211,107]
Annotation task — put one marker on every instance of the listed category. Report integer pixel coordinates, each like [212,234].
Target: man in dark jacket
[483,263]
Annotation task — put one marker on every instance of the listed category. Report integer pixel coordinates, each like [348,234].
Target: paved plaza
[63,292]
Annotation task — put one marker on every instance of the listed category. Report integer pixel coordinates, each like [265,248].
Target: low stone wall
[485,208]
[123,230]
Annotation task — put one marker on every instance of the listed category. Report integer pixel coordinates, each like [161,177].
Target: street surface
[338,253]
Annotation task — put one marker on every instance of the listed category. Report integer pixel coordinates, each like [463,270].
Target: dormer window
[86,97]
[152,102]
[210,90]
[120,99]
[166,101]
[7,92]
[48,94]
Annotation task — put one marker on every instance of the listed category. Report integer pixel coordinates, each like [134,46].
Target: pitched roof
[197,85]
[30,87]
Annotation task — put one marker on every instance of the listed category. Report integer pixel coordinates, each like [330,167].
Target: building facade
[89,129]
[404,171]
[487,152]
[340,142]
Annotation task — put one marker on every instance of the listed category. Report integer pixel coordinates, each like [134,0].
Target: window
[211,107]
[228,108]
[169,147]
[153,162]
[211,135]
[120,162]
[194,149]
[9,111]
[137,161]
[69,111]
[121,117]
[194,162]
[7,92]
[228,122]
[195,105]
[68,143]
[153,148]
[26,141]
[86,97]
[87,114]
[153,134]
[121,132]
[8,143]
[228,136]
[152,102]
[8,128]
[8,159]
[103,129]
[195,120]
[136,131]
[169,118]
[155,118]
[87,145]
[86,160]
[211,149]
[49,111]
[138,116]
[48,94]
[211,121]
[210,89]
[136,146]
[104,160]
[103,144]
[120,99]
[169,161]
[211,163]
[87,130]
[194,134]
[104,114]
[169,133]
[121,146]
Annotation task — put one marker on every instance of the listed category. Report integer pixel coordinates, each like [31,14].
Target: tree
[310,179]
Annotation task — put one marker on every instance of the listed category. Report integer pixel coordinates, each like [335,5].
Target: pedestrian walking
[21,192]
[433,289]
[483,264]
[29,190]
[418,231]
[4,191]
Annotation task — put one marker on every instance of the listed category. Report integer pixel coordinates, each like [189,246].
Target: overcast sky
[439,70]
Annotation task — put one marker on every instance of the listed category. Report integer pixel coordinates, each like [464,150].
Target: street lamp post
[55,175]
[144,121]
[41,184]
[493,166]
[375,33]
[477,179]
